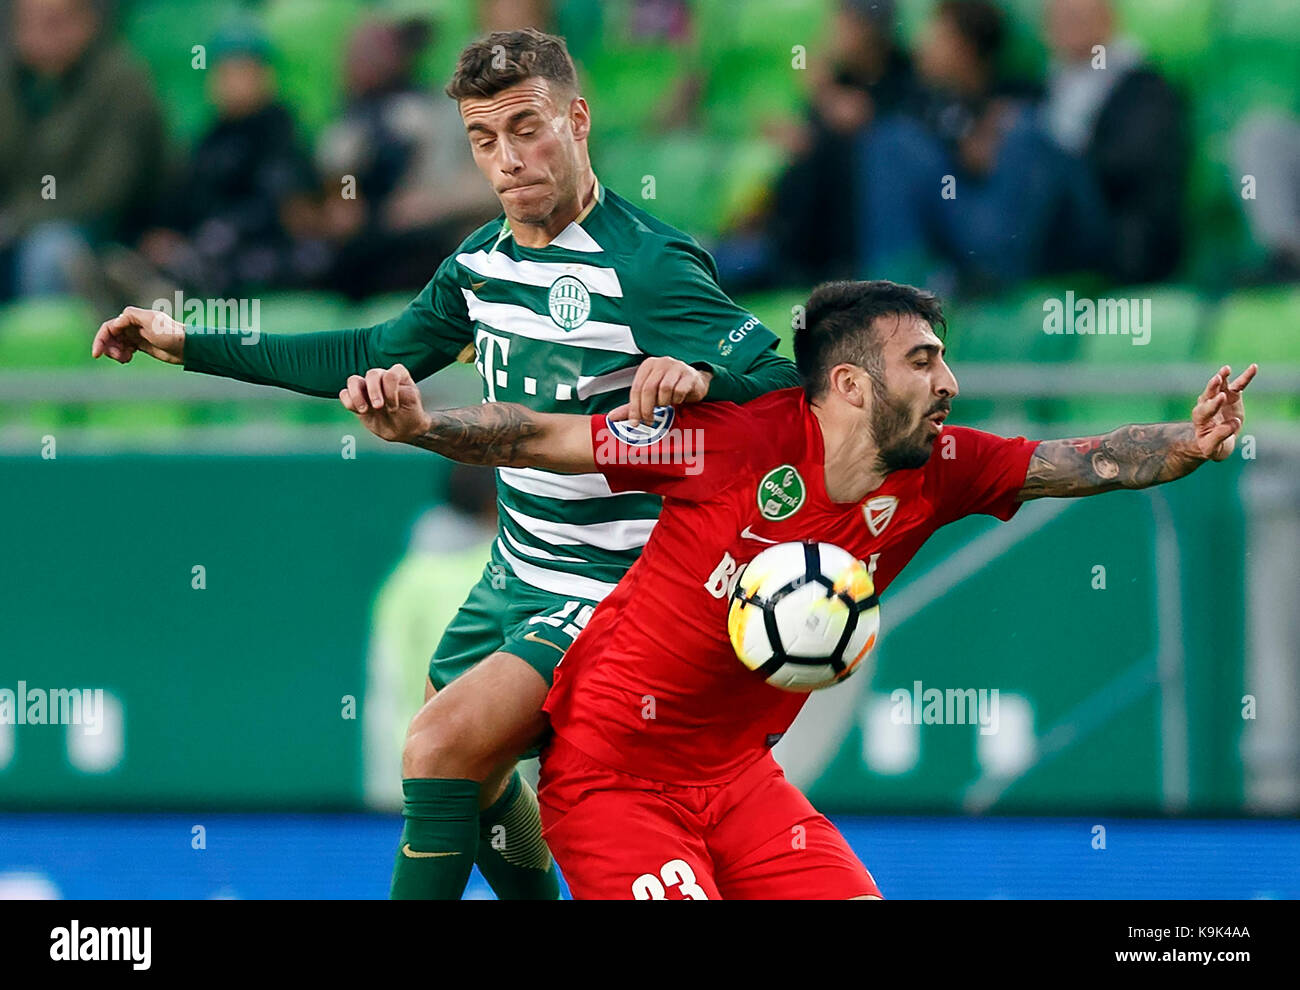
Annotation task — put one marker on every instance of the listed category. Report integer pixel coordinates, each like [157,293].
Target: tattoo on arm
[1130,457]
[495,433]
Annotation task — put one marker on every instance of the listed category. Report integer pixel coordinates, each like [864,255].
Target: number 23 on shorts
[675,872]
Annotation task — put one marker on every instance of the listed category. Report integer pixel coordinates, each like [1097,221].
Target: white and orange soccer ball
[804,615]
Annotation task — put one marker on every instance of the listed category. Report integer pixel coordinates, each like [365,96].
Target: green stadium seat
[746,87]
[1177,35]
[776,310]
[984,332]
[747,53]
[42,335]
[777,25]
[142,420]
[1177,321]
[1231,87]
[628,86]
[36,419]
[1263,326]
[686,169]
[379,309]
[455,24]
[302,312]
[309,38]
[1255,325]
[1009,330]
[1277,20]
[47,332]
[1245,76]
[582,25]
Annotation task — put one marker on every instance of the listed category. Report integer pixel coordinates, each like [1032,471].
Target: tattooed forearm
[495,433]
[1130,457]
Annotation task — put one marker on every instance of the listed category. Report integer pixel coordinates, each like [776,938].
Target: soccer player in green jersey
[574,301]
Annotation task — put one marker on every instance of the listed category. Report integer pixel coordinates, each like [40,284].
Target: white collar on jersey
[572,237]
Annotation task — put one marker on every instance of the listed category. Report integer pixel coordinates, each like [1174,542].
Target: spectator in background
[806,234]
[417,191]
[967,190]
[1266,145]
[242,218]
[73,107]
[412,609]
[580,22]
[1129,126]
[510,15]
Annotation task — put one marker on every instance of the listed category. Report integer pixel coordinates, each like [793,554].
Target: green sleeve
[769,372]
[676,309]
[426,336]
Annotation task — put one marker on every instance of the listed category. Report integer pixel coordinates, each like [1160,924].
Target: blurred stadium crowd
[227,148]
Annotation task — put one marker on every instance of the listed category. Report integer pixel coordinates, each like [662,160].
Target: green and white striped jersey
[562,329]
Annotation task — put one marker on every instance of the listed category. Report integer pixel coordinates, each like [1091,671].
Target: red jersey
[652,686]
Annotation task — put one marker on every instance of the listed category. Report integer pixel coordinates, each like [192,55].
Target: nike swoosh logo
[749,534]
[410,853]
[477,285]
[532,637]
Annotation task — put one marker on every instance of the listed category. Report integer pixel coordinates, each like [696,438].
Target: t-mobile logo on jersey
[493,355]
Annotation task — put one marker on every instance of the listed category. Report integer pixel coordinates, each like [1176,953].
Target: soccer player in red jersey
[658,781]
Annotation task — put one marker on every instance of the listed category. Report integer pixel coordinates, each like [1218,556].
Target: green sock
[512,856]
[438,840]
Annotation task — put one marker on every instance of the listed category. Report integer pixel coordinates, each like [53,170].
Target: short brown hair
[504,58]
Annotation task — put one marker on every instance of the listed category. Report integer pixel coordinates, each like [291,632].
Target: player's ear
[579,118]
[850,383]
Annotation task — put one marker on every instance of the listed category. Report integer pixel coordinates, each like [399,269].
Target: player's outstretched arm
[310,363]
[498,434]
[1141,456]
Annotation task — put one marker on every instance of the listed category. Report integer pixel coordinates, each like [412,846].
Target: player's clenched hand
[1219,413]
[662,381]
[136,329]
[388,403]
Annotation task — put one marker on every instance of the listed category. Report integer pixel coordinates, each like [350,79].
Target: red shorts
[620,837]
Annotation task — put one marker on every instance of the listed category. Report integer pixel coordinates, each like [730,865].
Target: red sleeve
[976,472]
[689,452]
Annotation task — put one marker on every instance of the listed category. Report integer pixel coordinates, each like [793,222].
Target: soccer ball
[803,615]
